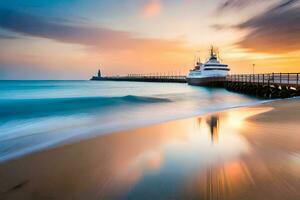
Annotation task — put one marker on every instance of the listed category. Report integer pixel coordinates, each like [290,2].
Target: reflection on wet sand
[213,122]
[230,155]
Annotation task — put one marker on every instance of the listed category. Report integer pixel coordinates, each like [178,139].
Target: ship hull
[207,81]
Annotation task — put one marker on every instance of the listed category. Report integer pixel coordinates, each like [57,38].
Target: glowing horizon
[71,39]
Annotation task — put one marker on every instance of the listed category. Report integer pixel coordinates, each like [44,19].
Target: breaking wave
[26,108]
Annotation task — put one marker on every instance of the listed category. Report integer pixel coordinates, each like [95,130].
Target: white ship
[211,73]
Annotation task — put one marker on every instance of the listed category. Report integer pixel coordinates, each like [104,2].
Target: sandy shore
[244,153]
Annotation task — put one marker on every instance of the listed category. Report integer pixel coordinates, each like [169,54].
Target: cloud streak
[275,31]
[229,4]
[7,37]
[96,37]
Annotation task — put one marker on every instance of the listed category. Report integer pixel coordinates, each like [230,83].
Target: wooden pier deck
[271,85]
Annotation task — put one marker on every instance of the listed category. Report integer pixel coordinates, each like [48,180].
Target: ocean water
[38,114]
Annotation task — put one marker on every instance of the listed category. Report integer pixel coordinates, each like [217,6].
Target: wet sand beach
[243,153]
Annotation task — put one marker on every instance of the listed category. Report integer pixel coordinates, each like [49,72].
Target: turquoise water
[38,114]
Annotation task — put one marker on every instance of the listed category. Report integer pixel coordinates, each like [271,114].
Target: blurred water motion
[35,115]
[233,155]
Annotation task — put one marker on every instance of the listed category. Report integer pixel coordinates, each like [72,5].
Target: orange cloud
[152,8]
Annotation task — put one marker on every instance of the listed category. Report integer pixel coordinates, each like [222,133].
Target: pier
[143,78]
[268,86]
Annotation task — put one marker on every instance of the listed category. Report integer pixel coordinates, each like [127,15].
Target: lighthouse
[99,73]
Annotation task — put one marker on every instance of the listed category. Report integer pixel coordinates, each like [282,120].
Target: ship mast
[212,51]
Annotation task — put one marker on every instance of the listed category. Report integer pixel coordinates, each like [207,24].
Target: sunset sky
[71,39]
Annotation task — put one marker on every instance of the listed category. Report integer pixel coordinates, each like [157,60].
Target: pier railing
[155,76]
[148,78]
[289,79]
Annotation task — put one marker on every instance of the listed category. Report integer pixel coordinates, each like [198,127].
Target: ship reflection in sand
[195,158]
[225,156]
[214,128]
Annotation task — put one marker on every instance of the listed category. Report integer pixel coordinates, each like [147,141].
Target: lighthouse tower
[99,73]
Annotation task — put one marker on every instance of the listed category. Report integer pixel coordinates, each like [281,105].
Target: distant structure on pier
[98,77]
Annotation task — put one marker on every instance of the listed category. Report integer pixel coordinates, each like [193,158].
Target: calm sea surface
[38,114]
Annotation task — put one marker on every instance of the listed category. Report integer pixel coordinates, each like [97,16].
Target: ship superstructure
[205,74]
